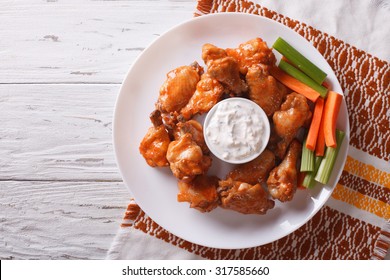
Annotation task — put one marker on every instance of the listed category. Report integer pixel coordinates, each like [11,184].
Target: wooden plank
[57,132]
[59,220]
[80,41]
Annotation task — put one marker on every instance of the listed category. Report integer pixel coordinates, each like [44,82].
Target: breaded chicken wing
[186,158]
[292,115]
[178,88]
[201,193]
[264,90]
[255,171]
[208,93]
[252,53]
[223,68]
[244,198]
[154,145]
[282,181]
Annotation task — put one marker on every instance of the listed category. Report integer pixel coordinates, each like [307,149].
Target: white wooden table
[61,66]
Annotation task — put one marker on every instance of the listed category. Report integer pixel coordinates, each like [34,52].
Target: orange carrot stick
[294,84]
[320,145]
[331,111]
[315,125]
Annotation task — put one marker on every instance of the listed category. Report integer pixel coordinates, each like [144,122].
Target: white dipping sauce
[236,130]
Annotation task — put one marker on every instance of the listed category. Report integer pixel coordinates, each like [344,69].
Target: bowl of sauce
[236,130]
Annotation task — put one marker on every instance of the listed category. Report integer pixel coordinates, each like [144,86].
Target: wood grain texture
[57,132]
[62,62]
[59,220]
[80,41]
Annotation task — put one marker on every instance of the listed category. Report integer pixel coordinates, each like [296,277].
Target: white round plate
[155,189]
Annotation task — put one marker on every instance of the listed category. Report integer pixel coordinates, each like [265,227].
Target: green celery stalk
[299,61]
[299,75]
[309,181]
[327,163]
[307,159]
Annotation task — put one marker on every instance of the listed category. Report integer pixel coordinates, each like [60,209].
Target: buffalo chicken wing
[255,171]
[282,181]
[264,90]
[201,193]
[292,115]
[223,68]
[253,52]
[155,144]
[186,159]
[178,88]
[244,198]
[208,92]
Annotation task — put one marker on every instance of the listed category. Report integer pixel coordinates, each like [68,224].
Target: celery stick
[309,181]
[297,74]
[307,159]
[299,61]
[327,163]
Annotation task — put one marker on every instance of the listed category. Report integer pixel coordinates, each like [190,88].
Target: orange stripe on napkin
[376,207]
[367,172]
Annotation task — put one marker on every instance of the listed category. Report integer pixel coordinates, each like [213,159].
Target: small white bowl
[236,130]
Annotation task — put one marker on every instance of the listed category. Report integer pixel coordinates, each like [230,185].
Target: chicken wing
[293,114]
[194,128]
[170,121]
[201,193]
[178,88]
[211,53]
[186,158]
[244,198]
[282,181]
[154,145]
[223,68]
[252,53]
[208,93]
[255,171]
[264,90]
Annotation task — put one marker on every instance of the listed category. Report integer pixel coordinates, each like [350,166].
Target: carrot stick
[315,125]
[302,77]
[320,145]
[294,84]
[331,111]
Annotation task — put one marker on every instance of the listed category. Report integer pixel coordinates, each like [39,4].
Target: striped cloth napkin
[355,222]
